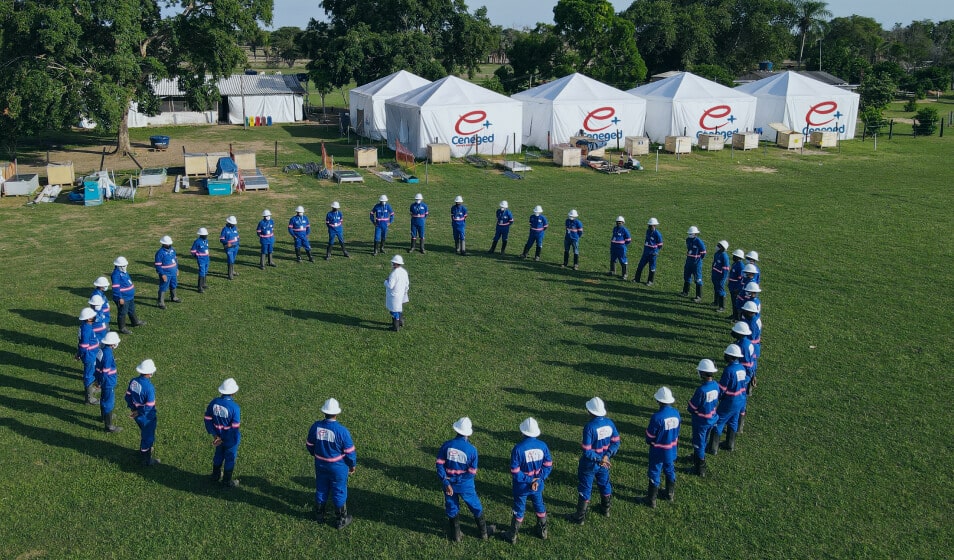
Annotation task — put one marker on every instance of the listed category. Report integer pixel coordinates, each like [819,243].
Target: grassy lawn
[847,447]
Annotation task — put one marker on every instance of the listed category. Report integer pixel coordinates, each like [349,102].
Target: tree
[810,18]
[852,45]
[604,43]
[284,46]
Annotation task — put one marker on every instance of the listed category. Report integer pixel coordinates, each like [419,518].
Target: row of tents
[474,120]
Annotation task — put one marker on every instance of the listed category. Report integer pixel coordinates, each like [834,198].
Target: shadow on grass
[58,412]
[47,317]
[16,360]
[18,337]
[308,315]
[80,292]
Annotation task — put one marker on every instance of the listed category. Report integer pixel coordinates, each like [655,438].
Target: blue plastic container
[159,142]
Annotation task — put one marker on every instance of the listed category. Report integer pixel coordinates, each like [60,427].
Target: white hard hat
[266,213]
[530,428]
[331,406]
[336,205]
[753,256]
[202,231]
[146,367]
[419,196]
[733,350]
[503,204]
[299,209]
[751,307]
[166,240]
[101,282]
[228,387]
[664,395]
[753,287]
[120,261]
[750,268]
[96,301]
[620,219]
[652,222]
[86,314]
[397,259]
[383,198]
[693,230]
[538,209]
[231,220]
[596,407]
[741,327]
[738,253]
[464,426]
[724,244]
[707,366]
[573,214]
[111,338]
[459,198]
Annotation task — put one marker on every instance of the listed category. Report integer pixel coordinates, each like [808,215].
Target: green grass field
[846,452]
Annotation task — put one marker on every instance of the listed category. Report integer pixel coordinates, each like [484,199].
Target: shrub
[926,121]
[911,106]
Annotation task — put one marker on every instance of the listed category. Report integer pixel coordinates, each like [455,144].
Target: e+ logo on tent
[822,110]
[718,113]
[605,116]
[468,128]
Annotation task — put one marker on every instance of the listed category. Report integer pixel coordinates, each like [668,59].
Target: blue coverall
[335,221]
[735,284]
[223,419]
[299,227]
[419,215]
[102,321]
[86,349]
[230,242]
[141,399]
[124,294]
[504,221]
[651,247]
[266,235]
[458,221]
[457,467]
[538,228]
[720,271]
[619,245]
[574,231]
[168,266]
[200,250]
[702,407]
[732,396]
[662,436]
[530,460]
[106,377]
[695,252]
[600,439]
[331,445]
[382,215]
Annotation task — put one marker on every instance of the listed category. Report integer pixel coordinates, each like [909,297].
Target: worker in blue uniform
[266,238]
[619,247]
[100,287]
[335,223]
[752,258]
[200,250]
[662,436]
[459,225]
[732,398]
[106,377]
[299,227]
[736,280]
[86,348]
[742,335]
[702,410]
[538,228]
[419,215]
[695,252]
[124,296]
[382,216]
[101,322]
[720,275]
[600,443]
[571,240]
[456,468]
[331,445]
[752,315]
[167,266]
[750,292]
[651,247]
[502,228]
[223,420]
[141,400]
[229,238]
[530,465]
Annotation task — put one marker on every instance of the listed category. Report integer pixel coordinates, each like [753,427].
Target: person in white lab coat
[396,288]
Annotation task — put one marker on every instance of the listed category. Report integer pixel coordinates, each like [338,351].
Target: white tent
[804,104]
[555,111]
[469,118]
[687,105]
[367,101]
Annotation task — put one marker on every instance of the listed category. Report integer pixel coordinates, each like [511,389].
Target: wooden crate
[7,169]
[245,160]
[566,155]
[196,164]
[598,152]
[438,153]
[711,142]
[366,156]
[824,139]
[790,140]
[745,140]
[212,160]
[19,185]
[678,144]
[637,145]
[60,173]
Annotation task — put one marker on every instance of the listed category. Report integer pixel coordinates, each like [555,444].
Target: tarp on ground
[688,105]
[366,103]
[803,104]
[557,110]
[469,118]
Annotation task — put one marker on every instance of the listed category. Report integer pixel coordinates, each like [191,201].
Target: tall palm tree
[810,17]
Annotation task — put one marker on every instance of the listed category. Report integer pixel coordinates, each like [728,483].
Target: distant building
[823,77]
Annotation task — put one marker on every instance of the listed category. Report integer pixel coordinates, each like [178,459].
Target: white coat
[396,288]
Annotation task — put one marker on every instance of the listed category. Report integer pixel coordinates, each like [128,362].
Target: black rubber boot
[420,246]
[310,258]
[122,325]
[298,254]
[482,529]
[270,261]
[712,448]
[741,422]
[137,323]
[216,475]
[514,531]
[701,468]
[147,459]
[328,252]
[90,399]
[625,272]
[231,271]
[109,422]
[576,261]
[670,494]
[638,275]
[605,502]
[456,246]
[161,300]
[566,258]
[175,298]
[685,289]
[580,516]
[198,285]
[261,262]
[720,304]
[542,528]
[652,275]
[344,251]
[375,251]
[493,247]
[453,529]
[411,247]
[729,444]
[612,270]
[463,247]
[395,325]
[342,519]
[383,239]
[536,255]
[320,512]
[227,480]
[503,247]
[698,298]
[651,492]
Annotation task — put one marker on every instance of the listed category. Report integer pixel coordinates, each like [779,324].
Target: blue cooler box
[218,187]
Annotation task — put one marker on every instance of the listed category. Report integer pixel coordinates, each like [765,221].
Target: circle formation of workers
[715,408]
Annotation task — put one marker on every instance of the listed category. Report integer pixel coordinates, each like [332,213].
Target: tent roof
[238,84]
[397,83]
[449,90]
[790,84]
[573,88]
[686,85]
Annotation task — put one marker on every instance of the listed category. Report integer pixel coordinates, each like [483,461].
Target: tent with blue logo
[468,118]
[366,105]
[687,105]
[557,110]
[803,104]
